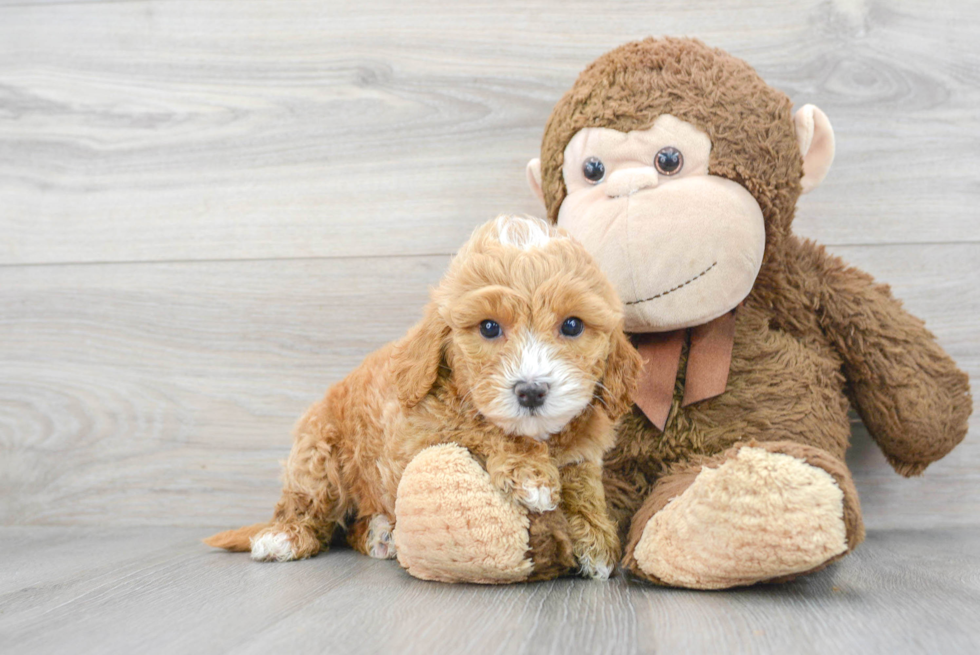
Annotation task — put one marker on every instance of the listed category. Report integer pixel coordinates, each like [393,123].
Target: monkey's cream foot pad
[452,524]
[756,517]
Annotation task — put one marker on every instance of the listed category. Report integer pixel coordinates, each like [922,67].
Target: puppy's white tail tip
[236,541]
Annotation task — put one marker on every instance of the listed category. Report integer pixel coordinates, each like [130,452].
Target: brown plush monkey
[679,169]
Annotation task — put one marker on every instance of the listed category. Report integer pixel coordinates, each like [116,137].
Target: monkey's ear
[534,178]
[416,358]
[816,139]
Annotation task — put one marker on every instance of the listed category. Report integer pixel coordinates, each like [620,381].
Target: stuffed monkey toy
[679,169]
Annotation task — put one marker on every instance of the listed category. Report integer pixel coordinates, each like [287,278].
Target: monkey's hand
[594,539]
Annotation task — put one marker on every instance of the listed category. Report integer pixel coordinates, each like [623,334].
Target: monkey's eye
[594,170]
[490,329]
[572,327]
[669,161]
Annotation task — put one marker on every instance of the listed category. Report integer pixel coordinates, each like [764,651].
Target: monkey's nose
[627,181]
[531,394]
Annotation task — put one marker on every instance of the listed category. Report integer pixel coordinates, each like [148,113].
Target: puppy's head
[529,326]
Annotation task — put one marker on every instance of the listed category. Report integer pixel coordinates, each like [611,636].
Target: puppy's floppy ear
[416,359]
[620,378]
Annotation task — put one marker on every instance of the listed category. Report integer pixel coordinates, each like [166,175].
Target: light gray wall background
[210,211]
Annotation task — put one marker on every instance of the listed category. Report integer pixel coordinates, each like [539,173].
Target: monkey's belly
[778,389]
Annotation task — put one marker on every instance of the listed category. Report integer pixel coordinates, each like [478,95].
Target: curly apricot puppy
[520,358]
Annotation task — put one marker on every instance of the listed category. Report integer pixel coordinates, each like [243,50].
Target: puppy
[520,357]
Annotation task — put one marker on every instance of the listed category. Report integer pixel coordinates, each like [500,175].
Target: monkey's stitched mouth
[672,290]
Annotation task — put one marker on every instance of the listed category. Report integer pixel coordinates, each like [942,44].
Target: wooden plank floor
[158,590]
[211,210]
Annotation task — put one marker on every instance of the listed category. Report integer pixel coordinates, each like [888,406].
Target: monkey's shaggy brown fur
[813,334]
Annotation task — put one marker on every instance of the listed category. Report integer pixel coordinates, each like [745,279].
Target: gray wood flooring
[158,590]
[211,210]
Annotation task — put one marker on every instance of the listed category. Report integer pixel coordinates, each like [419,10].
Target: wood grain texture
[159,590]
[211,210]
[164,393]
[197,129]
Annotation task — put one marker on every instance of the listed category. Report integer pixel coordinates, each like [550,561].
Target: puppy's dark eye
[594,170]
[490,329]
[669,161]
[572,327]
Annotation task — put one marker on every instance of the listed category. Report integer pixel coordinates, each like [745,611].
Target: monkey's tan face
[681,246]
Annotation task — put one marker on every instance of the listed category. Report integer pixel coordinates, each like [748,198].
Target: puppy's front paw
[535,486]
[537,497]
[272,547]
[597,569]
[597,548]
[380,543]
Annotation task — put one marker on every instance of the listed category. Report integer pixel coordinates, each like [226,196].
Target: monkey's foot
[758,513]
[453,525]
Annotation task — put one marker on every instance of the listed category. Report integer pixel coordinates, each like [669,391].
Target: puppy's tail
[237,541]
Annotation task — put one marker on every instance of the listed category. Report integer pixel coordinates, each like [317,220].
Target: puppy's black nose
[531,394]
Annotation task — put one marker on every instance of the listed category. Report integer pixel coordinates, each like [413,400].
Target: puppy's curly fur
[447,381]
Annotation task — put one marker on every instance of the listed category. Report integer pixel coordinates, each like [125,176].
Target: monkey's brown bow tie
[708,361]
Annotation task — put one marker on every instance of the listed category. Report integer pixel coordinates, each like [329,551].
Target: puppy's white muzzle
[539,392]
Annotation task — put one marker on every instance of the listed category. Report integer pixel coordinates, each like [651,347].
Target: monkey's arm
[908,391]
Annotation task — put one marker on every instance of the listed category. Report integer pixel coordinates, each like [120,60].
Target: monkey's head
[679,169]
